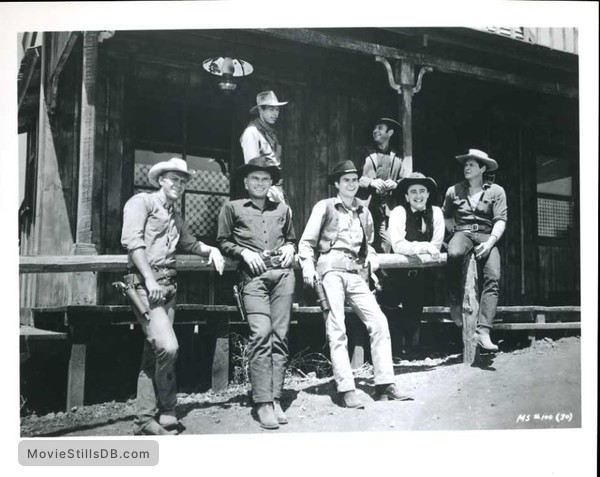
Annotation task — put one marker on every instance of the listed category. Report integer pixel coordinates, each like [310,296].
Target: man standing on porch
[152,229]
[259,139]
[476,212]
[339,233]
[260,234]
[382,171]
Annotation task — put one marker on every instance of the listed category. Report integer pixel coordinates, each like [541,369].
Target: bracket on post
[398,87]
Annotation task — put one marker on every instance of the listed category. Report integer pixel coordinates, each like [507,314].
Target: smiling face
[269,114]
[472,169]
[173,185]
[382,134]
[258,183]
[347,185]
[417,195]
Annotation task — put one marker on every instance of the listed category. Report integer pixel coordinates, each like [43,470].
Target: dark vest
[330,227]
[413,225]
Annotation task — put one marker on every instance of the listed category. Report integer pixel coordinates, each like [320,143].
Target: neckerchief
[269,134]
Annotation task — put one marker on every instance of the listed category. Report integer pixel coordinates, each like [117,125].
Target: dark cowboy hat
[341,168]
[390,123]
[260,163]
[417,178]
[491,164]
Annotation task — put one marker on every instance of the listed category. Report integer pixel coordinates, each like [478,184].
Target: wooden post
[219,327]
[84,286]
[407,81]
[76,373]
[470,312]
[359,341]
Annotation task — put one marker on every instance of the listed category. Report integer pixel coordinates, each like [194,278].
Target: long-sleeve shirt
[340,229]
[397,231]
[491,207]
[243,225]
[150,223]
[254,145]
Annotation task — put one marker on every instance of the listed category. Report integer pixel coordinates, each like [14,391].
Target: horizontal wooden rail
[118,263]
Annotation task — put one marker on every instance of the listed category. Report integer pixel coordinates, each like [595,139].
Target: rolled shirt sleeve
[500,207]
[135,215]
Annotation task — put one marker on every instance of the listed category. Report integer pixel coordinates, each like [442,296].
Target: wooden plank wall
[334,99]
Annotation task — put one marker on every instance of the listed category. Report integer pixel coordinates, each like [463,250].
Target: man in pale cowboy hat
[152,230]
[416,227]
[382,171]
[260,234]
[338,235]
[476,212]
[259,139]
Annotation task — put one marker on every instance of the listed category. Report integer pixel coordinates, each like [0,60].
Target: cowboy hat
[417,178]
[266,98]
[390,123]
[260,163]
[341,168]
[174,164]
[480,156]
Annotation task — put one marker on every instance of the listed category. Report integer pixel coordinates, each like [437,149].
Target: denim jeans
[461,244]
[156,386]
[339,287]
[268,303]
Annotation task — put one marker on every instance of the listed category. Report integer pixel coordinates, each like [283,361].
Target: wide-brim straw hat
[341,168]
[266,98]
[260,164]
[175,164]
[417,178]
[491,164]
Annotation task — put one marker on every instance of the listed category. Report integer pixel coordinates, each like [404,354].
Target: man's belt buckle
[474,227]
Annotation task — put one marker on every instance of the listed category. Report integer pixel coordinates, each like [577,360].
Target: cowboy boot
[279,414]
[153,428]
[390,392]
[351,400]
[266,416]
[482,336]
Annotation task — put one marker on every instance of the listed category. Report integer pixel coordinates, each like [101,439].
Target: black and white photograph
[273,229]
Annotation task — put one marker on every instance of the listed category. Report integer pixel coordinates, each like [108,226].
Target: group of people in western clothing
[339,248]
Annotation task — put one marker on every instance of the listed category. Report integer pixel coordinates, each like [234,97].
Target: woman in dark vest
[416,227]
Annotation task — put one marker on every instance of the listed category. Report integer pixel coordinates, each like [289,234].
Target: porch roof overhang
[28,87]
[460,51]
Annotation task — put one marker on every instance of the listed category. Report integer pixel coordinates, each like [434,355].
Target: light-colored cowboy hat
[174,164]
[266,98]
[417,178]
[260,163]
[341,168]
[481,156]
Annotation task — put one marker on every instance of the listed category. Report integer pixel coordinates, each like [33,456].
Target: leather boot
[351,400]
[170,422]
[266,416]
[153,428]
[482,336]
[279,414]
[390,392]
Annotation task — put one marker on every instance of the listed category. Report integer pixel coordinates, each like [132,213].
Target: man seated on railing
[152,230]
[476,211]
[339,233]
[416,227]
[260,234]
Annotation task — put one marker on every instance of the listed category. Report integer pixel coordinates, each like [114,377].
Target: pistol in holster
[129,291]
[239,302]
[323,303]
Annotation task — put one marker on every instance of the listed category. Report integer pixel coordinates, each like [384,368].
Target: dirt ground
[528,388]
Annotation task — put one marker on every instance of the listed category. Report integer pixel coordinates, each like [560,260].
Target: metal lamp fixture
[227,68]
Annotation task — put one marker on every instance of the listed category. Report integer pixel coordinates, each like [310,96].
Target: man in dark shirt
[152,230]
[259,233]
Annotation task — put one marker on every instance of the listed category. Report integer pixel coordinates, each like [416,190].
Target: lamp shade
[225,65]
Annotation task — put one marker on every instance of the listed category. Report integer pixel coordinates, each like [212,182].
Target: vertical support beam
[470,312]
[407,81]
[76,372]
[219,327]
[359,341]
[84,286]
